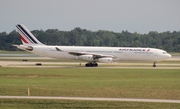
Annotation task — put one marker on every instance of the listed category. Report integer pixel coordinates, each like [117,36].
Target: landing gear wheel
[154,65]
[95,64]
[88,65]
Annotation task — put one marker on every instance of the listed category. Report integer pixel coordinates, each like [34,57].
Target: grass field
[13,52]
[70,104]
[89,82]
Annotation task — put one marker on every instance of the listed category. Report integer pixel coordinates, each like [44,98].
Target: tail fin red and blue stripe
[26,36]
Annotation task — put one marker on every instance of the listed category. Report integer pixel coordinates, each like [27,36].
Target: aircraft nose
[169,56]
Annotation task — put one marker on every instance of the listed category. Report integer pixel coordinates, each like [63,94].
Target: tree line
[169,41]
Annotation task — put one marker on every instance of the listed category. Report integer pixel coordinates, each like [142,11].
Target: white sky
[139,16]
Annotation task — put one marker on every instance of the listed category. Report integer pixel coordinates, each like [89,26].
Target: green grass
[175,53]
[13,52]
[89,82]
[70,104]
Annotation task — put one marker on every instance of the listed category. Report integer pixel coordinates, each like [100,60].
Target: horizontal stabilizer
[23,47]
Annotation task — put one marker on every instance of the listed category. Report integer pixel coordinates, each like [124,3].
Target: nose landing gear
[154,65]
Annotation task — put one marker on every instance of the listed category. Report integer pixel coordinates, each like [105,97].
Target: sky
[139,16]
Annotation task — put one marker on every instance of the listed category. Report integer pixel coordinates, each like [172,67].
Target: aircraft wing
[76,53]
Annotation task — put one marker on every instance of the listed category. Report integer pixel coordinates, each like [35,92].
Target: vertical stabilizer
[26,36]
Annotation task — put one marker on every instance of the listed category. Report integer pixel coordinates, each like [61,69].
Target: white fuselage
[119,53]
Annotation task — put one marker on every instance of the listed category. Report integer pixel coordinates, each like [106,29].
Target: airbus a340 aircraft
[90,54]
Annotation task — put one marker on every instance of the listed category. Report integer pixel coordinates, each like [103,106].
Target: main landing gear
[90,64]
[154,65]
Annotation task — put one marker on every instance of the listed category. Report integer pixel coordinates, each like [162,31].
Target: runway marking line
[93,99]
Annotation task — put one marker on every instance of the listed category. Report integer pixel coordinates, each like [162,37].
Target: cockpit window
[164,52]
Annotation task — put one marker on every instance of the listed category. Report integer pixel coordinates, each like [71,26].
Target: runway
[93,99]
[21,64]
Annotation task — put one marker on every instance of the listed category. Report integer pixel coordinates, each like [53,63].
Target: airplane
[91,54]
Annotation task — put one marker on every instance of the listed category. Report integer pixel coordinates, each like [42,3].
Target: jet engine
[85,57]
[105,60]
